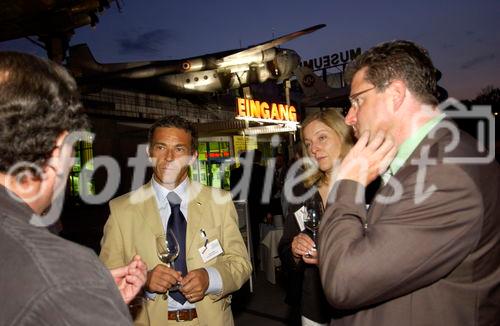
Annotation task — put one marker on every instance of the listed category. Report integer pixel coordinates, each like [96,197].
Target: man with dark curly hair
[47,280]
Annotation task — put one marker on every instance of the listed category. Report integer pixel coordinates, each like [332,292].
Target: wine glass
[167,248]
[311,222]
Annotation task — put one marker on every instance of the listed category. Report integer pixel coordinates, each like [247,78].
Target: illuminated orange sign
[263,110]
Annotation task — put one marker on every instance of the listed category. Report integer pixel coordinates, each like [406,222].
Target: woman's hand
[303,247]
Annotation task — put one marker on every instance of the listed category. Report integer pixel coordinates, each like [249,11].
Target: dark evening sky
[463,36]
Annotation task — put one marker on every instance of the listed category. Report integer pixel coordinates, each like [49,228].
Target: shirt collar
[181,190]
[409,145]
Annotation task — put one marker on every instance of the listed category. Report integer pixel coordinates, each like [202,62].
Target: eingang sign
[250,109]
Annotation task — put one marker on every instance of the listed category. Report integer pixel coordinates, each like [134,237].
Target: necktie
[177,223]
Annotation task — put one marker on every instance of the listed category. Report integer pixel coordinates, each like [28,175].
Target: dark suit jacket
[428,260]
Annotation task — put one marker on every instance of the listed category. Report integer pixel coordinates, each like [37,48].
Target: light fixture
[283,122]
[271,129]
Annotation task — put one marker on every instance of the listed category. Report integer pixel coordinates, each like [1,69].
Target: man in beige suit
[427,251]
[206,215]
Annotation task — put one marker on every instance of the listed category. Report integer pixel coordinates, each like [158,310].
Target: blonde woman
[326,140]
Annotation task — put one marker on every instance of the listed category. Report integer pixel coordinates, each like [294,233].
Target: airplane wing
[272,43]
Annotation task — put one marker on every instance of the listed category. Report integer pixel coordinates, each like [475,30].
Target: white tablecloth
[270,237]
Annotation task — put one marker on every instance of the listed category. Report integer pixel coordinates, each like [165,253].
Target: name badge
[211,250]
[300,214]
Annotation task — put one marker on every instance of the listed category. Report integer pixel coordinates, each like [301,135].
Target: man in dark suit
[427,251]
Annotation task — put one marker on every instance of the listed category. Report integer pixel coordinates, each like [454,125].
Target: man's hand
[195,284]
[367,159]
[130,278]
[303,247]
[161,278]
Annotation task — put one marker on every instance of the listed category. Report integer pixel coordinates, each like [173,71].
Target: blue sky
[463,37]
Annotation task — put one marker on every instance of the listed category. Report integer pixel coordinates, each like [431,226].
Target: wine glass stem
[178,284]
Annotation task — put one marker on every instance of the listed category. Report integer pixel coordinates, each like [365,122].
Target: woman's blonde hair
[334,120]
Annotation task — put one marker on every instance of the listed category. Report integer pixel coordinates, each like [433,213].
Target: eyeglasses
[354,98]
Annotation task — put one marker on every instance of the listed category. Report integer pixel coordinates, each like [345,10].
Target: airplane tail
[317,92]
[312,85]
[81,61]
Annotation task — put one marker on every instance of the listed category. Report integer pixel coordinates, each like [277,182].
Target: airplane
[207,74]
[53,21]
[317,93]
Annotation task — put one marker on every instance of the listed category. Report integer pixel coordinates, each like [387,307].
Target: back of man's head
[402,60]
[38,102]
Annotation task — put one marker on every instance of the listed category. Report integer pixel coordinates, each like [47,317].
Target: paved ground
[264,307]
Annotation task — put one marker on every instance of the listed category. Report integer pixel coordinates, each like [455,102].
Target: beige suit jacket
[135,221]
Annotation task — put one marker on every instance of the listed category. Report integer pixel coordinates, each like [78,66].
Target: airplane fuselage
[209,73]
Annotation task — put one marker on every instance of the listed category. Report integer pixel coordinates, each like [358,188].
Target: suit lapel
[439,132]
[419,152]
[195,214]
[148,208]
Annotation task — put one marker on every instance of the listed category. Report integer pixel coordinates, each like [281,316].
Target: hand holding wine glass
[303,249]
[311,222]
[167,248]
